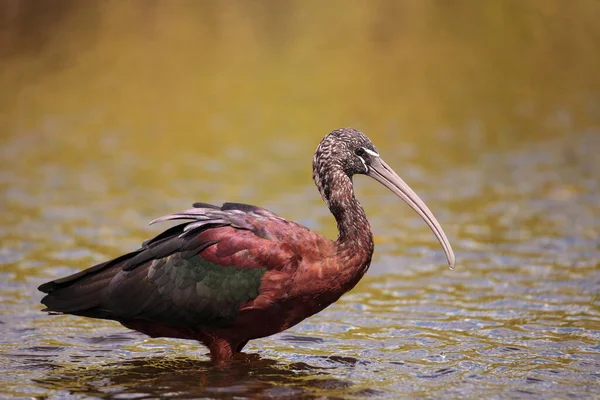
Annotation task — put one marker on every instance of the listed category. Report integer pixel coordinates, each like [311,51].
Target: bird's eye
[360,151]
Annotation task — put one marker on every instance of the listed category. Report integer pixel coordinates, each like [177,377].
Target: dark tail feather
[80,296]
[84,292]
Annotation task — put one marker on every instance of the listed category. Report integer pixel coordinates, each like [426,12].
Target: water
[107,127]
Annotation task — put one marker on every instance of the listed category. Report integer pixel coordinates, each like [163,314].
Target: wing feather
[195,274]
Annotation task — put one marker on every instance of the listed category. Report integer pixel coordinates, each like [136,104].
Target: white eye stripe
[370,152]
[364,163]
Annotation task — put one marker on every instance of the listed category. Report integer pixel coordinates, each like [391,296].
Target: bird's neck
[355,239]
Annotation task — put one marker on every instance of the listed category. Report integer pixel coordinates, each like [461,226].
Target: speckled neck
[354,230]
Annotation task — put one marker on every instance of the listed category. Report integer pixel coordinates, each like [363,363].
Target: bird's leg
[221,351]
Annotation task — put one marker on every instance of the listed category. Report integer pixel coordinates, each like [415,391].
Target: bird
[225,275]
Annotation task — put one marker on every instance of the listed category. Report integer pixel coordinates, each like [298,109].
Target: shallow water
[93,147]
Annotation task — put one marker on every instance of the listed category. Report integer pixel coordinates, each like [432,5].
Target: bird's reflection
[249,376]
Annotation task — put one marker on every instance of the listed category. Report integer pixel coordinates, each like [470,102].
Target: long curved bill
[383,174]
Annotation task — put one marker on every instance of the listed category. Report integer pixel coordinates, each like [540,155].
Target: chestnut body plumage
[238,272]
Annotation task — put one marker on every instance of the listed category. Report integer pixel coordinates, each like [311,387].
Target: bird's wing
[196,274]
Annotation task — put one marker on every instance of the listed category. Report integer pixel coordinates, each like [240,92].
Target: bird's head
[346,148]
[347,152]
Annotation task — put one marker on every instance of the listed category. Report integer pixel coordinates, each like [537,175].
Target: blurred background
[113,113]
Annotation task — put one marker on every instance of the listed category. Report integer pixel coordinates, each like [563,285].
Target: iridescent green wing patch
[195,292]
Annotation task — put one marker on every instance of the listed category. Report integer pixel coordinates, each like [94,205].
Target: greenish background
[113,113]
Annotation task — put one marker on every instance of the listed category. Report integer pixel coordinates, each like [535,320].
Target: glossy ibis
[239,272]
